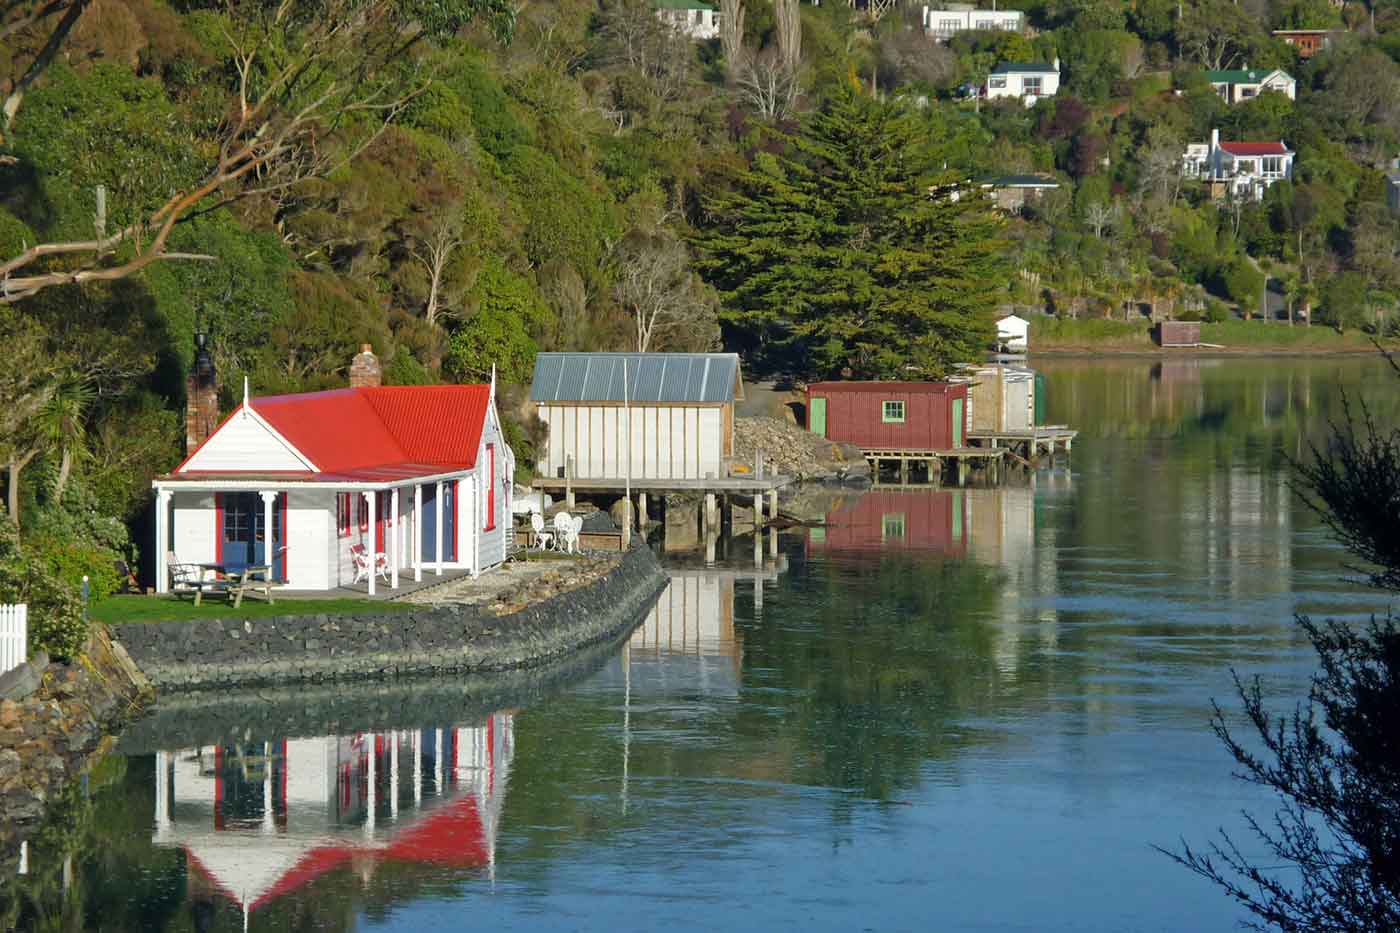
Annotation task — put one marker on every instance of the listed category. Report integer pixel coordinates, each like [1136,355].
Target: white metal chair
[539,537]
[566,531]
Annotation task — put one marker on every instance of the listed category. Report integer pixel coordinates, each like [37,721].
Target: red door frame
[491,490]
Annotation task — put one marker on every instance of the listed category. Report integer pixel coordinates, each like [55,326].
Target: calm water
[961,710]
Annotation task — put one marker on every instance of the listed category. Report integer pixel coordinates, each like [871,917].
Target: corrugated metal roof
[651,377]
[413,430]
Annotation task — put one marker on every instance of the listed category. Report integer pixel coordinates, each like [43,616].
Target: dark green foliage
[506,310]
[1343,300]
[56,622]
[833,255]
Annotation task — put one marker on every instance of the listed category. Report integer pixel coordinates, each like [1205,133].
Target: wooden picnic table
[252,580]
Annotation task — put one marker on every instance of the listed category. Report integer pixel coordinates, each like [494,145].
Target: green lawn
[117,609]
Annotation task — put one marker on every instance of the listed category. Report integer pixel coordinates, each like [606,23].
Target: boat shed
[1000,398]
[681,408]
[889,416]
[1179,333]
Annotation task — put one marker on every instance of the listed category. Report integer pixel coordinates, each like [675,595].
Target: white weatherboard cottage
[418,474]
[1029,82]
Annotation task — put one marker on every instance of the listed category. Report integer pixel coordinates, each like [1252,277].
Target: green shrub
[71,560]
[56,621]
[1216,312]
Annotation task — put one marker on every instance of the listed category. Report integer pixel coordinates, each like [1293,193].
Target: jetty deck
[1030,442]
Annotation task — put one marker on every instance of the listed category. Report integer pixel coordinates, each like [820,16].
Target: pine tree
[847,250]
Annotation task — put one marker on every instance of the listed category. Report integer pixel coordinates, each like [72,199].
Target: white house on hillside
[1242,170]
[1238,85]
[1013,334]
[1029,82]
[943,24]
[695,18]
[317,485]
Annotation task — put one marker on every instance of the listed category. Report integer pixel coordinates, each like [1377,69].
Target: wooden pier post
[904,471]
[711,537]
[642,518]
[962,471]
[757,510]
[773,543]
[772,504]
[569,481]
[710,513]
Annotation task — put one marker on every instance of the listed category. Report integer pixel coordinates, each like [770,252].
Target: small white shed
[659,415]
[1013,334]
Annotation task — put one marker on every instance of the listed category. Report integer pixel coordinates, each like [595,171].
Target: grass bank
[1050,335]
[118,609]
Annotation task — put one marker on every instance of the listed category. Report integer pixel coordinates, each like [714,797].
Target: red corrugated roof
[379,429]
[1255,149]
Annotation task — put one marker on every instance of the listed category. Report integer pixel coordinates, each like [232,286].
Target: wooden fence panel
[14,636]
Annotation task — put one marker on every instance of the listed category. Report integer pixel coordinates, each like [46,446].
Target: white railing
[14,637]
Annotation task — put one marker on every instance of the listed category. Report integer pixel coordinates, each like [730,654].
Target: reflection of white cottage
[260,820]
[1242,170]
[694,18]
[1013,334]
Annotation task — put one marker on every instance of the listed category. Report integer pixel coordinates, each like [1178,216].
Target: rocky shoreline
[56,719]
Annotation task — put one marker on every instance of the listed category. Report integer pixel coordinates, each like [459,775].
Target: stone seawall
[434,640]
[56,718]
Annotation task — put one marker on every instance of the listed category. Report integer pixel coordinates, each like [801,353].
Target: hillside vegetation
[462,184]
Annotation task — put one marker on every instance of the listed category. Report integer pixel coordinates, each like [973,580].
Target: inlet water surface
[947,709]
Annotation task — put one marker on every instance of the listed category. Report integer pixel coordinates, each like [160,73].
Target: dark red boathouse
[891,416]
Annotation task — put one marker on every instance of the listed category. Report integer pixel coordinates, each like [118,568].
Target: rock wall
[796,452]
[52,725]
[434,640]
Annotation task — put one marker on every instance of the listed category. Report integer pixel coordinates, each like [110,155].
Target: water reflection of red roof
[451,835]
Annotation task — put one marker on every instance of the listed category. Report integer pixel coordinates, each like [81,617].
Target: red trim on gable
[218,528]
[210,437]
[457,520]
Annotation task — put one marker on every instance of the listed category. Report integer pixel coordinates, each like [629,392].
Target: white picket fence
[14,637]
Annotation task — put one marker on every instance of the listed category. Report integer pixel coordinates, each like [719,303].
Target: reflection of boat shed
[933,520]
[681,407]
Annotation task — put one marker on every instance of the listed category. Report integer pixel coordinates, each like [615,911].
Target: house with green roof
[695,18]
[1240,84]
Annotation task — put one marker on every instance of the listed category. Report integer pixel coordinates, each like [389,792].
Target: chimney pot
[201,396]
[364,369]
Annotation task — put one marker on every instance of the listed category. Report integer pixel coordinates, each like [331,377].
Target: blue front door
[449,522]
[244,540]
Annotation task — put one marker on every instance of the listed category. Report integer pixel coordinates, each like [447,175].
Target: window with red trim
[491,489]
[342,514]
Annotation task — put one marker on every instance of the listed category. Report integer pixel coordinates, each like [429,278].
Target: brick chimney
[364,369]
[201,396]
